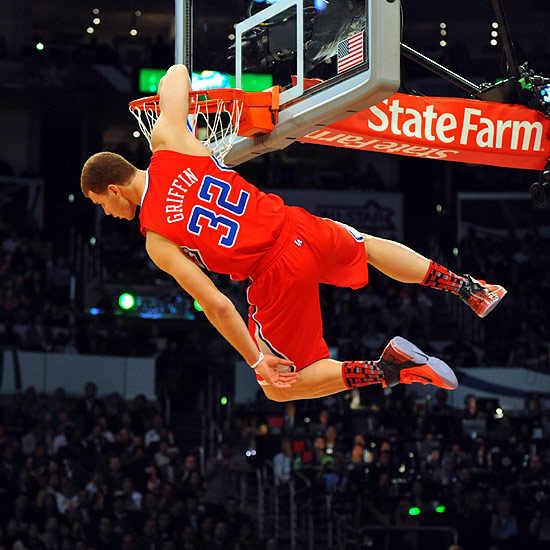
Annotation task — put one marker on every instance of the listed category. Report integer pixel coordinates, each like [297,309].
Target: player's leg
[318,380]
[401,363]
[288,322]
[396,260]
[404,264]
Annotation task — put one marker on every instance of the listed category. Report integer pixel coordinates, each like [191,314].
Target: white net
[214,121]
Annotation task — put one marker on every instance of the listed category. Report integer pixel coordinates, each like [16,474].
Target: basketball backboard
[332,58]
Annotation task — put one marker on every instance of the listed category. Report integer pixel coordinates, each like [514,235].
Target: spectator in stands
[189,537]
[320,424]
[434,469]
[474,521]
[114,474]
[222,477]
[193,513]
[114,408]
[24,512]
[319,452]
[132,498]
[47,505]
[149,539]
[25,484]
[283,462]
[128,542]
[194,486]
[539,526]
[504,525]
[105,539]
[137,468]
[536,474]
[50,534]
[169,499]
[293,424]
[220,539]
[333,444]
[149,507]
[190,464]
[98,490]
[384,464]
[124,520]
[33,539]
[90,400]
[141,413]
[233,518]
[271,544]
[376,504]
[66,499]
[206,532]
[157,431]
[161,458]
[334,476]
[124,444]
[246,536]
[165,529]
[356,467]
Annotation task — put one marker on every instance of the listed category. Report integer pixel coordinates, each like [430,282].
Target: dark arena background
[127,422]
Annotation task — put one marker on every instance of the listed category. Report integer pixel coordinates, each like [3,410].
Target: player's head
[105,168]
[104,178]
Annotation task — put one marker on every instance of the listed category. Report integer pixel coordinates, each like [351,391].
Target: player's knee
[373,247]
[367,240]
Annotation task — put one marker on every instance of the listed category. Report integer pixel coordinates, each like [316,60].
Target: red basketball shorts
[283,297]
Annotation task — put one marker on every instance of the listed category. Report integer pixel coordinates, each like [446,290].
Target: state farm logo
[460,130]
[466,126]
[329,136]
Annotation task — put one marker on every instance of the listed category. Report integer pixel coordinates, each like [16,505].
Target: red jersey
[210,211]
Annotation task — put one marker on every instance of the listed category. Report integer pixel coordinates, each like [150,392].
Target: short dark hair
[103,169]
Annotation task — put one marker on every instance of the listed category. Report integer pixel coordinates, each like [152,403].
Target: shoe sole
[437,372]
[500,292]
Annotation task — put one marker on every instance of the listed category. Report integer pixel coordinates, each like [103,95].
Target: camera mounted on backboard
[536,89]
[540,190]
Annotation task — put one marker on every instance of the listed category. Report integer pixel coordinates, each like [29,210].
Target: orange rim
[257,111]
[200,100]
[145,103]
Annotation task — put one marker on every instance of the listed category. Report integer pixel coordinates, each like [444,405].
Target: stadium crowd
[94,472]
[83,472]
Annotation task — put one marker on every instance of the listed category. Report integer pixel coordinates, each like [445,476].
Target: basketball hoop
[218,116]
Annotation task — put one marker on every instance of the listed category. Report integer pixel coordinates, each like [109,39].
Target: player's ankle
[357,374]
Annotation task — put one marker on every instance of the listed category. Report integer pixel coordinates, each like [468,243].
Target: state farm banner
[454,129]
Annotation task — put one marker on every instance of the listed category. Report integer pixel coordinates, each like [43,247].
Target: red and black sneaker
[403,363]
[480,296]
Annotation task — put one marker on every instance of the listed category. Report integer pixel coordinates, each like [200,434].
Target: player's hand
[267,369]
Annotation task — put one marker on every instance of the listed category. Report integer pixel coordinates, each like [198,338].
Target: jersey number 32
[215,220]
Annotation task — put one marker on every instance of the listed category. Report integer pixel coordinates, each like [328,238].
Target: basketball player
[195,212]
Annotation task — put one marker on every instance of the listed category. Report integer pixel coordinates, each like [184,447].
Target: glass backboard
[330,58]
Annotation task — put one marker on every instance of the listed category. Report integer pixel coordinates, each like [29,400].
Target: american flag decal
[350,52]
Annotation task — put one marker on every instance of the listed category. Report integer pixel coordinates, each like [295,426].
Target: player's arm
[170,130]
[219,310]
